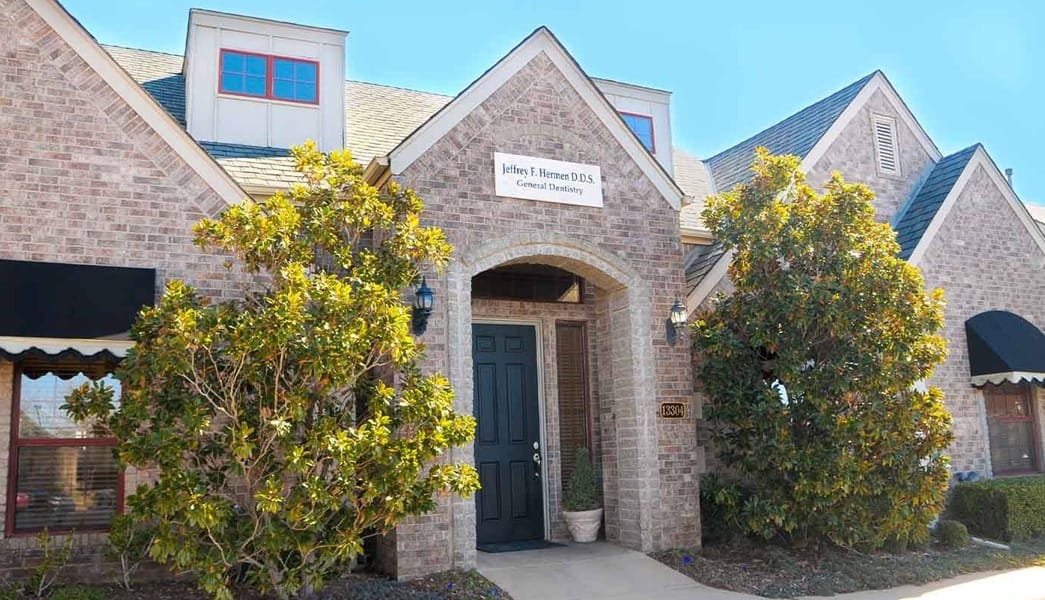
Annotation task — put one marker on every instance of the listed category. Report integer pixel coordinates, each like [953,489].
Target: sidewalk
[586,571]
[605,571]
[1018,584]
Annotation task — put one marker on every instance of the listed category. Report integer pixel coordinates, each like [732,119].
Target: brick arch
[588,260]
[631,497]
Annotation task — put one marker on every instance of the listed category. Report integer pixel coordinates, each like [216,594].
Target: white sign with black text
[547,180]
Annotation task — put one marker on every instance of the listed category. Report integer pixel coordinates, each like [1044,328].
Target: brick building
[957,219]
[575,224]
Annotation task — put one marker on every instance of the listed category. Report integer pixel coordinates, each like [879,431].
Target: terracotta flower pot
[584,525]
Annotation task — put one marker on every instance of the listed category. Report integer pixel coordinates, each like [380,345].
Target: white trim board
[878,82]
[980,158]
[708,283]
[138,99]
[541,40]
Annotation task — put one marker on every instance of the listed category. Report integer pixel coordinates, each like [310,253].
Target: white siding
[646,102]
[214,117]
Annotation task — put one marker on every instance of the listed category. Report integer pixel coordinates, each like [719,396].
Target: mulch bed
[776,572]
[450,585]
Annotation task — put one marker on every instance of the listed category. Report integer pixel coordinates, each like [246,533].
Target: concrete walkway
[601,570]
[1018,584]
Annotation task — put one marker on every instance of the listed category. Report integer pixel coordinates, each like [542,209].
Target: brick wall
[85,180]
[984,259]
[853,155]
[630,249]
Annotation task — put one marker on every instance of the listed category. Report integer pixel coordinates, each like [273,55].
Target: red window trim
[269,76]
[1030,417]
[12,467]
[652,133]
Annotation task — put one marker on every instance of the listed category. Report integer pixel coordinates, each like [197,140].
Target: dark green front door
[510,506]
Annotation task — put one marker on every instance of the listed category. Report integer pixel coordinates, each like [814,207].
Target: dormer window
[642,127]
[271,77]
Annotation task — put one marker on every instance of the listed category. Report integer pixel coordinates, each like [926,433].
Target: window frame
[12,467]
[652,133]
[1031,418]
[270,76]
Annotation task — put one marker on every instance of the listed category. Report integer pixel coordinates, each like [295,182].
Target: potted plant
[581,503]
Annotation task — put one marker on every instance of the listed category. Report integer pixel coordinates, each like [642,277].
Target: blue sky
[966,69]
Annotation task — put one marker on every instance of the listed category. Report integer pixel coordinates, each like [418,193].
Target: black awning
[1005,347]
[55,300]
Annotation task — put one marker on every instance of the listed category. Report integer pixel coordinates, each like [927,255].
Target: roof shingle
[796,135]
[914,219]
[377,117]
[692,176]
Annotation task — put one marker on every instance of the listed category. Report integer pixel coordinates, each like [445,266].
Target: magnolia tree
[285,426]
[813,367]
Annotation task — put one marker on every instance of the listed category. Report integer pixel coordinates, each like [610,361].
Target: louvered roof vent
[885,145]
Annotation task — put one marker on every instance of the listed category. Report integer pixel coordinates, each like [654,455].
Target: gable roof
[977,158]
[913,220]
[542,40]
[155,116]
[377,117]
[796,135]
[808,134]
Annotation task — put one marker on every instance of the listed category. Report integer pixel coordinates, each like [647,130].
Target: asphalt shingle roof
[159,73]
[699,261]
[692,176]
[377,117]
[796,135]
[919,212]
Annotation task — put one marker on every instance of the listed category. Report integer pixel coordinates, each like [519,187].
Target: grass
[776,572]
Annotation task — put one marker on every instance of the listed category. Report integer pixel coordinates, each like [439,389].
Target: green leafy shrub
[77,592]
[810,366]
[719,502]
[52,562]
[129,543]
[951,534]
[582,492]
[1000,509]
[285,425]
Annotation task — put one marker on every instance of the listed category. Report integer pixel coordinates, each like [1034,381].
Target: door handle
[537,458]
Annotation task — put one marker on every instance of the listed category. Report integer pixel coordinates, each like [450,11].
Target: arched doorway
[616,315]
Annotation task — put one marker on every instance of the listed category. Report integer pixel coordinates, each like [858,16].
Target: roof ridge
[399,87]
[859,82]
[182,56]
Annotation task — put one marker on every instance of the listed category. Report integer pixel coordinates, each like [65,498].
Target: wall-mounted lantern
[676,322]
[424,298]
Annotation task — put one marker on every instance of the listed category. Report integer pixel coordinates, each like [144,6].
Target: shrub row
[1000,509]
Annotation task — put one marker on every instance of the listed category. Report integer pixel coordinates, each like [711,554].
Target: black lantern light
[424,297]
[676,322]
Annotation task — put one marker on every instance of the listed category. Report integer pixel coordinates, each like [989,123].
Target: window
[272,77]
[885,145]
[642,127]
[529,282]
[63,476]
[575,428]
[1010,427]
